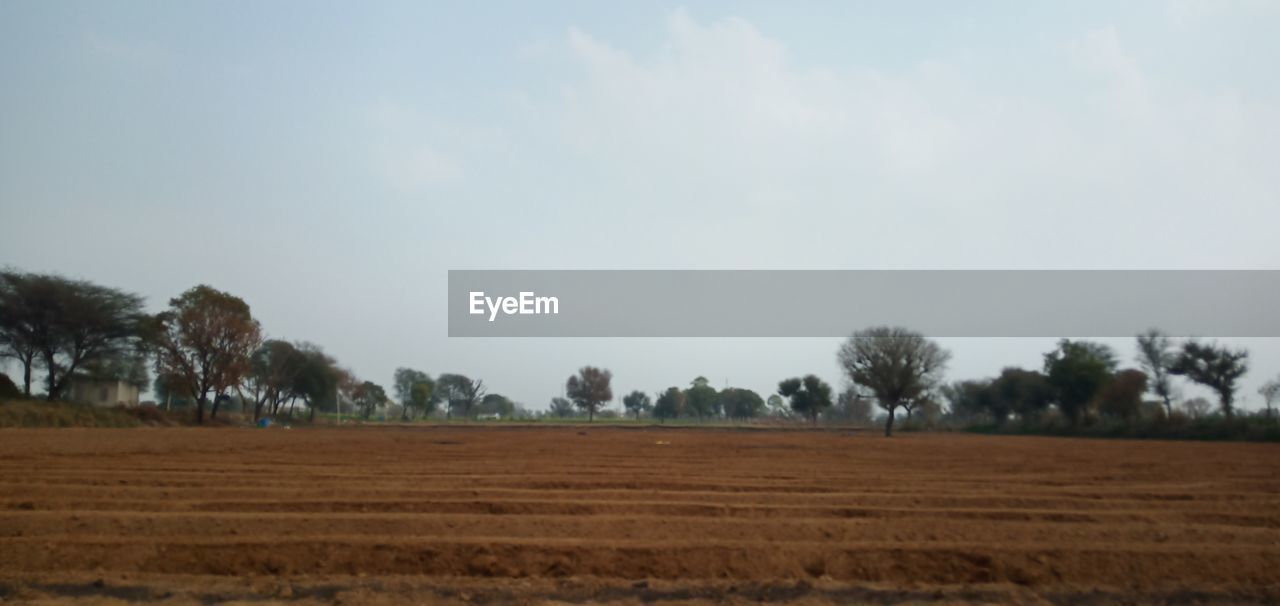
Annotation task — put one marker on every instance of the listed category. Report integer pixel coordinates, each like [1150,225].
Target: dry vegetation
[527,515]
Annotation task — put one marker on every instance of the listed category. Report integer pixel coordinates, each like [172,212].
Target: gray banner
[822,303]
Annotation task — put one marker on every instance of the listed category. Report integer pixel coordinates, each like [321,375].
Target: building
[103,392]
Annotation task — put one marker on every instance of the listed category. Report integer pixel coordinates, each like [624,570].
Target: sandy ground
[630,515]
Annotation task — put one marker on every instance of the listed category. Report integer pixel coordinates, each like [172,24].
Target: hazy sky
[329,162]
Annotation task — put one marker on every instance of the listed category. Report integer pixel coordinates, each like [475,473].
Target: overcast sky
[329,162]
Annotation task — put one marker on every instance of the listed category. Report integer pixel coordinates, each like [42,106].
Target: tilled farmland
[507,514]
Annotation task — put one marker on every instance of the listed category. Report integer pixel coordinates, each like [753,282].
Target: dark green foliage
[1077,371]
[809,396]
[637,402]
[61,325]
[700,399]
[496,404]
[460,394]
[317,379]
[369,396]
[669,405]
[1025,393]
[897,365]
[561,408]
[740,403]
[589,389]
[1215,367]
[416,391]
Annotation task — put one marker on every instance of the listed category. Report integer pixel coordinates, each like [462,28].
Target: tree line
[206,349]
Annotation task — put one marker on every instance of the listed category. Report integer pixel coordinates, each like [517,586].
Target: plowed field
[632,515]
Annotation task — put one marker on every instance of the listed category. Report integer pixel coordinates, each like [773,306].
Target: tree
[589,389]
[369,396]
[898,366]
[1216,367]
[970,400]
[205,338]
[561,408]
[1121,398]
[1270,391]
[416,392]
[777,407]
[273,371]
[637,402]
[63,324]
[460,393]
[700,398]
[317,379]
[808,396]
[669,405]
[1155,356]
[1077,370]
[495,404]
[1026,393]
[740,403]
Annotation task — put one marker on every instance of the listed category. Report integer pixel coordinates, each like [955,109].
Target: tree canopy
[589,389]
[896,364]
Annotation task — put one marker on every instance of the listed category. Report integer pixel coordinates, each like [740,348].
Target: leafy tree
[1270,391]
[669,405]
[317,379]
[1155,356]
[205,338]
[808,396]
[1215,367]
[1077,371]
[970,400]
[460,393]
[700,398]
[1026,393]
[898,366]
[562,408]
[740,403]
[369,396]
[777,407]
[589,389]
[637,402]
[273,371]
[1121,398]
[495,404]
[62,325]
[416,392]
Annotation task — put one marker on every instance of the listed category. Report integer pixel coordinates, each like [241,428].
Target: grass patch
[39,413]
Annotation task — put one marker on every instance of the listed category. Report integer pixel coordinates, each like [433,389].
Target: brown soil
[559,514]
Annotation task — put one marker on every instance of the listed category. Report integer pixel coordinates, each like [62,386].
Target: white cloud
[722,128]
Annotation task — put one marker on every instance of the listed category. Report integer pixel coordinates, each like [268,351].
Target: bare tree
[1270,392]
[1155,356]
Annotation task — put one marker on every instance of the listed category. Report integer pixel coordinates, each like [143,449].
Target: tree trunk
[1168,407]
[888,424]
[200,410]
[26,374]
[591,413]
[1226,406]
